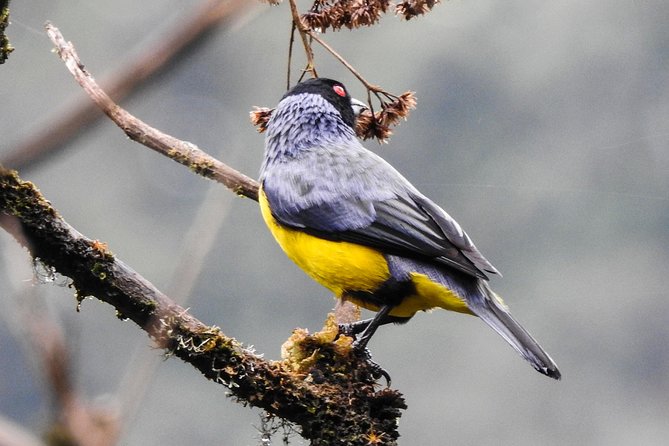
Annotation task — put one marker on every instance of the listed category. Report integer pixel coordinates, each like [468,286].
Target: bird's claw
[360,349]
[376,370]
[351,330]
[345,329]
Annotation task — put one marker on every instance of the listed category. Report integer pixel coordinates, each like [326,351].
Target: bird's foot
[376,370]
[346,330]
[353,329]
[360,348]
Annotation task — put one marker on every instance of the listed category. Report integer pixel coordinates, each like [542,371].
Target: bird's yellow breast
[343,266]
[338,266]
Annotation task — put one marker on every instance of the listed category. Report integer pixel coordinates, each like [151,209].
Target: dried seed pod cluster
[338,14]
[260,117]
[378,125]
[412,8]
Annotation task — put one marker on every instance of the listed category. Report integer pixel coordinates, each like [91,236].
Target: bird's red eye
[339,90]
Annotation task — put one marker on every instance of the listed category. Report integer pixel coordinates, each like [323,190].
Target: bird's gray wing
[412,225]
[404,224]
[342,191]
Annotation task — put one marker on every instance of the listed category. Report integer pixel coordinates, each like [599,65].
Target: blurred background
[542,127]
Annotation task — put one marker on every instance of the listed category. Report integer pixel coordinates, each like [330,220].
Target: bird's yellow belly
[343,266]
[338,266]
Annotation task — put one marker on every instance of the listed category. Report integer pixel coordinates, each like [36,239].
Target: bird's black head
[332,91]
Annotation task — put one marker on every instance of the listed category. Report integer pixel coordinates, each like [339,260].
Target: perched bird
[358,227]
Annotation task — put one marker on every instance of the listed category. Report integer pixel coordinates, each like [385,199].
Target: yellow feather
[341,266]
[335,265]
[430,294]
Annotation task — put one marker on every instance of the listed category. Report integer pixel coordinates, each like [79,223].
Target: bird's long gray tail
[495,313]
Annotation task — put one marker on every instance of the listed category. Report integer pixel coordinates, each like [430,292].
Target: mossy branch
[320,385]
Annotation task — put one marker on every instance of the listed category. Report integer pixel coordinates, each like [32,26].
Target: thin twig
[329,49]
[307,32]
[180,151]
[290,54]
[375,89]
[304,32]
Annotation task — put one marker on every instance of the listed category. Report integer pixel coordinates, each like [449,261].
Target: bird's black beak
[358,106]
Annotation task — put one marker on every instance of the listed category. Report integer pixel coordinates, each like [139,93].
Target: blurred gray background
[543,127]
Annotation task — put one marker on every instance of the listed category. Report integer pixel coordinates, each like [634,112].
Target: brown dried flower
[260,117]
[336,14]
[394,111]
[412,8]
[378,125]
[369,126]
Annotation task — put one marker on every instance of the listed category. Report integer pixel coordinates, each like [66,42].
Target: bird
[358,227]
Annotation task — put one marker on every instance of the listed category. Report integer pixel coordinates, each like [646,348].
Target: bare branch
[180,151]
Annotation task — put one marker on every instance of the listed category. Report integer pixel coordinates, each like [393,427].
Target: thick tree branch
[321,385]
